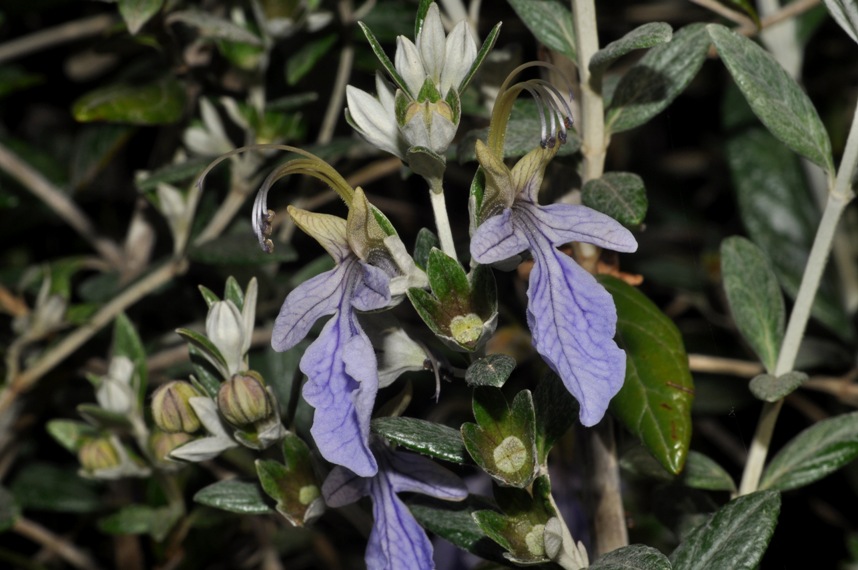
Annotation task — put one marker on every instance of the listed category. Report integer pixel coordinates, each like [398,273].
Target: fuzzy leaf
[655,401]
[235,496]
[425,437]
[633,557]
[492,370]
[556,410]
[754,296]
[818,451]
[621,195]
[650,85]
[771,389]
[426,240]
[774,96]
[646,36]
[137,12]
[845,13]
[551,23]
[735,537]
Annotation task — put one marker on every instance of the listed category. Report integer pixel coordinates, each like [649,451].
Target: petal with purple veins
[564,223]
[497,239]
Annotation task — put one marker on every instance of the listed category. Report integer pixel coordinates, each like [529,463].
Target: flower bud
[243,400]
[98,454]
[172,410]
[162,443]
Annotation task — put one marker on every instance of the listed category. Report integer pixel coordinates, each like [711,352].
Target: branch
[44,39]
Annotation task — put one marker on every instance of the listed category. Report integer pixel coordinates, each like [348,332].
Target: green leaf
[205,378]
[781,218]
[774,96]
[292,483]
[487,46]
[302,61]
[232,291]
[235,496]
[384,60]
[621,195]
[422,10]
[735,537]
[551,23]
[157,103]
[816,452]
[206,349]
[747,8]
[448,280]
[240,249]
[170,174]
[9,510]
[455,522]
[650,85]
[754,296]
[492,370]
[141,519]
[700,472]
[138,12]
[556,411]
[425,437]
[102,418]
[45,487]
[503,441]
[655,400]
[771,389]
[845,13]
[424,243]
[633,557]
[211,26]
[70,434]
[646,36]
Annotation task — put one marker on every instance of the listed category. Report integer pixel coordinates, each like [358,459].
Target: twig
[60,351]
[344,70]
[728,13]
[609,521]
[61,204]
[44,39]
[56,544]
[592,106]
[718,365]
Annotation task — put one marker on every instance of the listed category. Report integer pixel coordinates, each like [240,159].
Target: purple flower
[572,317]
[397,540]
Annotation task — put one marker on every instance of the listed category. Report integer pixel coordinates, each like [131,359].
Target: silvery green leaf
[211,26]
[138,12]
[424,437]
[845,12]
[754,296]
[621,195]
[646,36]
[650,85]
[383,59]
[242,497]
[735,537]
[487,46]
[818,451]
[771,389]
[550,21]
[775,97]
[632,557]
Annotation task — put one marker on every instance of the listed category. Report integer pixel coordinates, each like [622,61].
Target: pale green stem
[442,220]
[592,105]
[839,197]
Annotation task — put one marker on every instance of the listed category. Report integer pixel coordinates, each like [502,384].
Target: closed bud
[243,400]
[98,455]
[172,410]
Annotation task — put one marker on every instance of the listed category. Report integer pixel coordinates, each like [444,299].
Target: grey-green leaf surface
[650,85]
[137,12]
[621,195]
[735,537]
[780,216]
[491,370]
[700,472]
[845,13]
[813,454]
[754,297]
[646,36]
[771,389]
[242,497]
[425,437]
[46,487]
[632,557]
[775,97]
[550,22]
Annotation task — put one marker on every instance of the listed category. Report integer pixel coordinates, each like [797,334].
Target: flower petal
[497,239]
[409,472]
[563,223]
[342,487]
[460,53]
[374,123]
[431,43]
[409,65]
[373,291]
[311,300]
[397,540]
[573,321]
